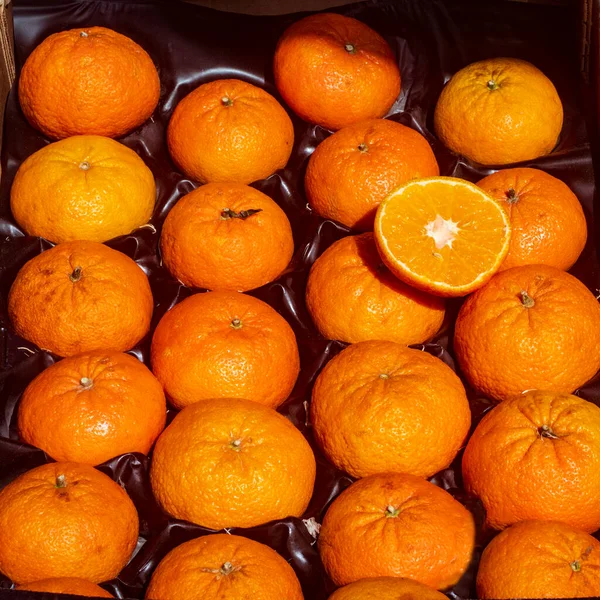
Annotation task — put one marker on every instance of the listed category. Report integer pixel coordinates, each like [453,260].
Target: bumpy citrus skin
[66,585]
[397,525]
[92,407]
[230,131]
[380,406]
[88,81]
[349,279]
[547,221]
[335,71]
[222,345]
[386,588]
[530,327]
[223,566]
[352,171]
[232,463]
[499,111]
[81,296]
[65,520]
[85,187]
[537,456]
[226,236]
[540,559]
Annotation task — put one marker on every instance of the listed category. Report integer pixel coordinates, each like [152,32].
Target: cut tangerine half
[443,235]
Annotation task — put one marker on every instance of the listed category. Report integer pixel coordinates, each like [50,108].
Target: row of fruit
[527,336]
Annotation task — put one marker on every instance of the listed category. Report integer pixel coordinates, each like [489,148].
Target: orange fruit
[352,171]
[547,221]
[220,566]
[335,71]
[92,407]
[380,406]
[232,463]
[81,296]
[537,456]
[85,187]
[353,297]
[226,236]
[230,131]
[396,525]
[442,235]
[540,559]
[531,327]
[65,520]
[88,81]
[386,588]
[66,585]
[499,111]
[225,344]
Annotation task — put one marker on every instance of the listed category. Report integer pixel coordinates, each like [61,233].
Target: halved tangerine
[442,234]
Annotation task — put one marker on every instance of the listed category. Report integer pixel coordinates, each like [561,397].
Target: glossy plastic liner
[191,45]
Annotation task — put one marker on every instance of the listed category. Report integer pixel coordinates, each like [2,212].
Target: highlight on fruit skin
[540,559]
[380,406]
[215,567]
[396,525]
[386,588]
[499,111]
[91,81]
[84,187]
[350,278]
[334,71]
[442,235]
[537,456]
[229,130]
[353,170]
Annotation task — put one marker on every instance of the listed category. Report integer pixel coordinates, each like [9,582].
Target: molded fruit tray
[192,45]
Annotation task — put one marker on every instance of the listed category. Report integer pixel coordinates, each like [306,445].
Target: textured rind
[66,585]
[325,84]
[197,474]
[504,348]
[203,250]
[547,221]
[108,308]
[259,572]
[412,421]
[352,171]
[124,409]
[54,198]
[87,529]
[521,120]
[99,83]
[431,540]
[243,142]
[351,297]
[197,355]
[533,559]
[520,475]
[386,588]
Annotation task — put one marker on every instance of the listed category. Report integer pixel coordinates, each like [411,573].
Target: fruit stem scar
[363,147]
[492,85]
[61,481]
[227,568]
[225,101]
[236,444]
[576,566]
[75,276]
[546,432]
[350,48]
[84,166]
[86,383]
[526,299]
[511,196]
[236,324]
[227,213]
[83,34]
[391,512]
[384,376]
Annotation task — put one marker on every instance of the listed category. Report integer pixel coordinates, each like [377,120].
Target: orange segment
[442,234]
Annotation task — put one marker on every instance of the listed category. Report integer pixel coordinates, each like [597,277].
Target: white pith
[443,231]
